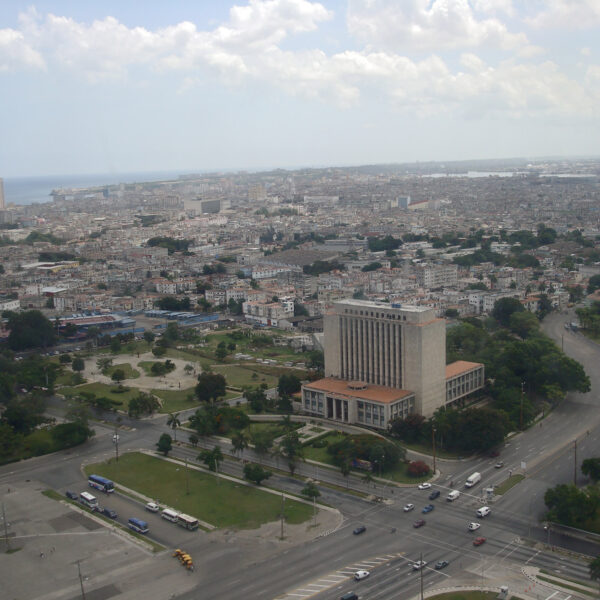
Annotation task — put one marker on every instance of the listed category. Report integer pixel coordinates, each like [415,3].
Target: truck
[453,495]
[472,480]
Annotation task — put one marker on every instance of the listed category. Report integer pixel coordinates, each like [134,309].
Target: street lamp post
[433,443]
[116,443]
[521,412]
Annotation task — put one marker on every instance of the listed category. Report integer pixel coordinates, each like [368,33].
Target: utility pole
[80,581]
[314,511]
[575,463]
[433,443]
[282,513]
[521,412]
[6,538]
[421,570]
[187,478]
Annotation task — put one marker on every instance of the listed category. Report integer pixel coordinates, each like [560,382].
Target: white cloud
[16,52]
[428,25]
[574,14]
[248,48]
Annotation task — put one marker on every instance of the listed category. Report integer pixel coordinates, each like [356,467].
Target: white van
[453,495]
[169,515]
[484,511]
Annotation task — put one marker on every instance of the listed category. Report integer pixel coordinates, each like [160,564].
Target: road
[263,571]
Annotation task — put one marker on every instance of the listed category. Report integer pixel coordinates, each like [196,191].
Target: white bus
[187,522]
[89,500]
[169,515]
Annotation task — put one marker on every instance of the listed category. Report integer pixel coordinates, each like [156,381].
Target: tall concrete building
[402,348]
[2,203]
[384,362]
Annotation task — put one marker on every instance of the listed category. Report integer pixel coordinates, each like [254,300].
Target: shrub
[417,468]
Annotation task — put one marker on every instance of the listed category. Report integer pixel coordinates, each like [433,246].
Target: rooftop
[364,391]
[459,367]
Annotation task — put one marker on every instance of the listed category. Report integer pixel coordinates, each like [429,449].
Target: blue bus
[137,525]
[101,483]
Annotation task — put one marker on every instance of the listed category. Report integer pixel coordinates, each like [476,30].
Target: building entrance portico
[337,409]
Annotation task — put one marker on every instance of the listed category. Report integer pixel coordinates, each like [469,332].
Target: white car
[424,486]
[152,507]
[408,507]
[417,566]
[474,526]
[361,575]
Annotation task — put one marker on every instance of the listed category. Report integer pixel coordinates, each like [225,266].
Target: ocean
[33,190]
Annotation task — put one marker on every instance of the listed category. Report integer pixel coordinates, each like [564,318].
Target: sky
[117,86]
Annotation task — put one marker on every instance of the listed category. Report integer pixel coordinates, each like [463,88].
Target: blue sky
[122,86]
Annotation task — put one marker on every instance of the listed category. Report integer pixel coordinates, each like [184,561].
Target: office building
[384,361]
[2,203]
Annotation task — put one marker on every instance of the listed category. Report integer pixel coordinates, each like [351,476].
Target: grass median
[220,502]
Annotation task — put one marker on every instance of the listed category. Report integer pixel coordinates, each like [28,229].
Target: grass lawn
[240,377]
[508,483]
[321,454]
[67,378]
[217,501]
[147,366]
[176,400]
[130,372]
[103,389]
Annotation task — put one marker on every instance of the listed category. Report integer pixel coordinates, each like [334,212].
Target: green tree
[25,414]
[595,569]
[118,375]
[104,363]
[262,442]
[193,439]
[164,444]
[291,449]
[288,384]
[159,351]
[256,473]
[115,345]
[239,442]
[78,364]
[591,468]
[29,329]
[310,490]
[143,404]
[524,324]
[593,284]
[67,435]
[504,308]
[211,386]
[149,337]
[173,422]
[212,458]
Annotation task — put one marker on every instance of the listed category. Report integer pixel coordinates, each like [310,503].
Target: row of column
[370,351]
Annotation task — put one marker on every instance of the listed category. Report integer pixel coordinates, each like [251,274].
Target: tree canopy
[29,329]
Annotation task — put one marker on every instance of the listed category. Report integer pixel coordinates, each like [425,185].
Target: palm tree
[240,442]
[173,422]
[286,423]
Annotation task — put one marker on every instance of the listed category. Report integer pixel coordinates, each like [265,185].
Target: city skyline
[289,83]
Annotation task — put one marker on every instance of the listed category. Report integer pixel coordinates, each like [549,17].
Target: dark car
[478,541]
[435,494]
[72,495]
[419,523]
[359,530]
[441,564]
[108,512]
[428,508]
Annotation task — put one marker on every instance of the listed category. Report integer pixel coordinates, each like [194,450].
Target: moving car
[484,511]
[361,575]
[360,529]
[424,486]
[428,508]
[419,523]
[474,526]
[478,541]
[152,507]
[417,566]
[349,596]
[108,512]
[499,464]
[441,564]
[408,507]
[435,494]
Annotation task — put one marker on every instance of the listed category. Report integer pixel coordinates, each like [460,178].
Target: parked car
[72,495]
[441,564]
[428,508]
[361,575]
[152,507]
[359,530]
[408,507]
[435,494]
[417,566]
[478,541]
[419,523]
[474,526]
[108,512]
[424,486]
